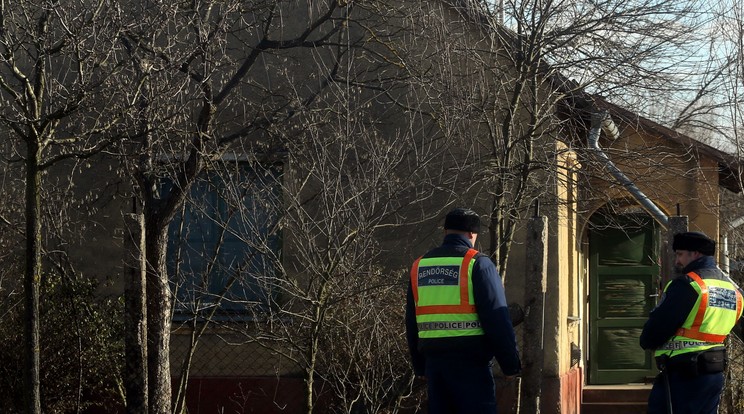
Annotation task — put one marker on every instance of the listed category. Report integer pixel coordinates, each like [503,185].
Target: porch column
[534,322]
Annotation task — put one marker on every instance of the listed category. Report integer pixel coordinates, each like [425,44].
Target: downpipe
[601,121]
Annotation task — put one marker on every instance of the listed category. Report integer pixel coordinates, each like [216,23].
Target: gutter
[601,121]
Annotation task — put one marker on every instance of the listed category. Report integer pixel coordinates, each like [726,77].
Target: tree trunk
[159,304]
[135,320]
[32,279]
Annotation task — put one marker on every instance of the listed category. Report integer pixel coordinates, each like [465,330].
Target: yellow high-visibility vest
[443,294]
[718,307]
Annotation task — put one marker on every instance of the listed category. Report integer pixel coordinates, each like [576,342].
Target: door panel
[623,276]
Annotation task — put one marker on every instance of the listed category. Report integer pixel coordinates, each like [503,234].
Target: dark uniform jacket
[490,301]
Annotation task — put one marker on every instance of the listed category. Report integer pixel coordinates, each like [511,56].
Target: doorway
[623,275]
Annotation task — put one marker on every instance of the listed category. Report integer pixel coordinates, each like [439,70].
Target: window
[224,245]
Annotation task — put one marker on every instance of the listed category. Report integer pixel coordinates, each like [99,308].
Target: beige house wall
[669,173]
[569,285]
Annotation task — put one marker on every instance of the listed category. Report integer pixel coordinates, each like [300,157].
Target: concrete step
[615,399]
[613,408]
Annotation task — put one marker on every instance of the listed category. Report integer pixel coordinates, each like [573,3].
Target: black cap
[462,219]
[694,241]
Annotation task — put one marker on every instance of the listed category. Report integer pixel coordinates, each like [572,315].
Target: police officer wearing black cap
[687,329]
[457,321]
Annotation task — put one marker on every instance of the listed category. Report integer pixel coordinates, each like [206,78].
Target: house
[612,252]
[286,265]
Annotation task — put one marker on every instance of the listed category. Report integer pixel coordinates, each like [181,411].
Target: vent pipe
[601,121]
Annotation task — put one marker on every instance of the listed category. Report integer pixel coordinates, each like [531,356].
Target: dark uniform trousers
[695,383]
[690,395]
[460,386]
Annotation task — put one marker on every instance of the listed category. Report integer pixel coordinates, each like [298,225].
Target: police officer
[457,321]
[687,328]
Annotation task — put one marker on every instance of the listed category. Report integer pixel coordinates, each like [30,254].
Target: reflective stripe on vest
[719,306]
[442,293]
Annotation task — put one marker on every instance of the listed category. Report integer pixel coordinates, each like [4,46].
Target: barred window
[224,245]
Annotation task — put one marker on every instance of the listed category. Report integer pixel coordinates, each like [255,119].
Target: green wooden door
[623,277]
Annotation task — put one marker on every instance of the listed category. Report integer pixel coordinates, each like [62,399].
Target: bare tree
[382,115]
[548,54]
[528,86]
[56,62]
[343,195]
[216,78]
[306,91]
[719,112]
